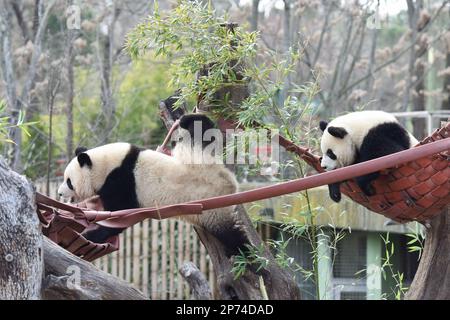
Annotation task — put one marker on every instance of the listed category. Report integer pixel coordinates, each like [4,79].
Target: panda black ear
[80,150]
[187,122]
[337,132]
[323,125]
[84,159]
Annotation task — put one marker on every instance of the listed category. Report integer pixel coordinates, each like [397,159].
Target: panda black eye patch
[331,155]
[69,184]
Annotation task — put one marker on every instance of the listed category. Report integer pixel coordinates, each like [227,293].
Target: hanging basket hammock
[414,191]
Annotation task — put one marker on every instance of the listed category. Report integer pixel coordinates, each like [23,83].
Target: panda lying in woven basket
[357,137]
[414,191]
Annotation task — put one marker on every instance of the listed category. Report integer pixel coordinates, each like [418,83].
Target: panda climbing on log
[125,176]
[357,137]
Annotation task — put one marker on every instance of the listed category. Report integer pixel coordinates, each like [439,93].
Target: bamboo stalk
[163,225]
[154,262]
[180,258]
[122,256]
[105,263]
[128,255]
[114,260]
[172,262]
[136,255]
[187,254]
[145,249]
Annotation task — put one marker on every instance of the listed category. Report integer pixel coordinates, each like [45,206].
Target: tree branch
[69,277]
[196,280]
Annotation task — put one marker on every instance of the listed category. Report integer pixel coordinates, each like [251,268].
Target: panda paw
[335,196]
[368,190]
[335,192]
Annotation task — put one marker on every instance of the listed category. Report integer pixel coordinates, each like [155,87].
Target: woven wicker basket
[414,191]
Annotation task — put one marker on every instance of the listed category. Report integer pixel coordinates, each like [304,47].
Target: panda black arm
[334,190]
[117,193]
[101,234]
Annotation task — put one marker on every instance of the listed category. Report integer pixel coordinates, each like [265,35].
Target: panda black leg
[335,191]
[101,234]
[365,183]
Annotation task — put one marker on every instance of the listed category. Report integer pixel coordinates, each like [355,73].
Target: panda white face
[77,183]
[86,174]
[337,148]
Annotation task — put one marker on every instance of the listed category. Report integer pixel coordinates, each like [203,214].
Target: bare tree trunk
[52,90]
[21,265]
[418,94]
[416,68]
[373,46]
[69,103]
[20,21]
[196,280]
[419,130]
[36,17]
[71,35]
[432,280]
[446,89]
[107,99]
[17,105]
[287,25]
[412,20]
[7,68]
[255,15]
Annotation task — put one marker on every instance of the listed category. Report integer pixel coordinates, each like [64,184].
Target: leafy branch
[6,125]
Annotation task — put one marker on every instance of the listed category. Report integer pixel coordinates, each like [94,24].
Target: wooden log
[196,280]
[68,277]
[432,279]
[21,265]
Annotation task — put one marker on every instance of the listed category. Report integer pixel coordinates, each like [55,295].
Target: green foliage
[6,125]
[250,256]
[193,37]
[387,267]
[417,239]
[141,89]
[137,99]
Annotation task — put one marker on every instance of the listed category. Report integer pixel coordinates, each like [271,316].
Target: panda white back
[359,123]
[162,180]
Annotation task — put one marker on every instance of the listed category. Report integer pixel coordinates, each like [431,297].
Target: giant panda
[125,176]
[357,137]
